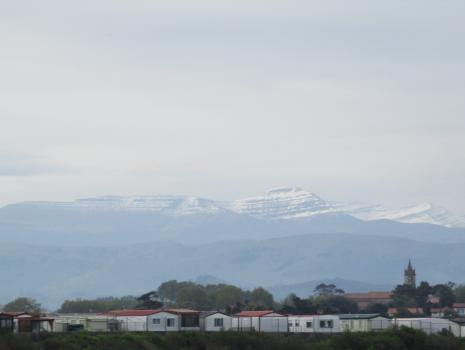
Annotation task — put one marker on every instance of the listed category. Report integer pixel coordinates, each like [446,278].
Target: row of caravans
[175,320]
[23,322]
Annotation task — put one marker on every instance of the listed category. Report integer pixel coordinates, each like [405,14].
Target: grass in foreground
[403,339]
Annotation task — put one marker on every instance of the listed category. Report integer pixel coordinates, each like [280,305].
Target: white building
[133,320]
[87,322]
[173,320]
[215,321]
[460,322]
[260,321]
[363,322]
[429,325]
[314,324]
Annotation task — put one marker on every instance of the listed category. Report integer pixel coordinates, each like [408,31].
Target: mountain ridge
[276,204]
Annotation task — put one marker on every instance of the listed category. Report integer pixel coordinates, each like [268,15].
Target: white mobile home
[314,324]
[87,322]
[260,321]
[429,325]
[173,320]
[460,322]
[101,324]
[133,320]
[364,322]
[215,321]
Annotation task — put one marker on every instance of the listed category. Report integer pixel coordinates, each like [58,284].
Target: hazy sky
[354,100]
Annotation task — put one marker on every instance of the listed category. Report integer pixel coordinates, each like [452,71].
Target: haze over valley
[286,240]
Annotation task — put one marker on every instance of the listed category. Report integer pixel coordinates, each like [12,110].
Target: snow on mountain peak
[168,204]
[275,204]
[425,213]
[279,191]
[282,203]
[295,202]
[196,205]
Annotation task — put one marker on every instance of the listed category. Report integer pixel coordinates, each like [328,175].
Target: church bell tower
[410,277]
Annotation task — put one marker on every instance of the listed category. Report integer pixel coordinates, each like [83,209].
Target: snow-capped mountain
[294,202]
[424,213]
[282,203]
[275,204]
[176,205]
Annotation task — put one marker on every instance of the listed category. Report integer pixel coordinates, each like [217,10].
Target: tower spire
[410,275]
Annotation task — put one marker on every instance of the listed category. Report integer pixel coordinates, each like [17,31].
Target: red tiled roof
[302,315]
[459,305]
[124,313]
[180,311]
[37,318]
[15,314]
[254,313]
[412,310]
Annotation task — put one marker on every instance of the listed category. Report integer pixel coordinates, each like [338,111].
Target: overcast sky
[353,100]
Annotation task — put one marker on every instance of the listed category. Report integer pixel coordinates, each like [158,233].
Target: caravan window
[156,321]
[6,323]
[170,322]
[297,323]
[309,324]
[218,322]
[326,324]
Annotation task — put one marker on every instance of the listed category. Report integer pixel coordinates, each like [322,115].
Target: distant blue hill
[306,289]
[39,224]
[53,273]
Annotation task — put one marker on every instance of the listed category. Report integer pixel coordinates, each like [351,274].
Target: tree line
[325,299]
[426,297]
